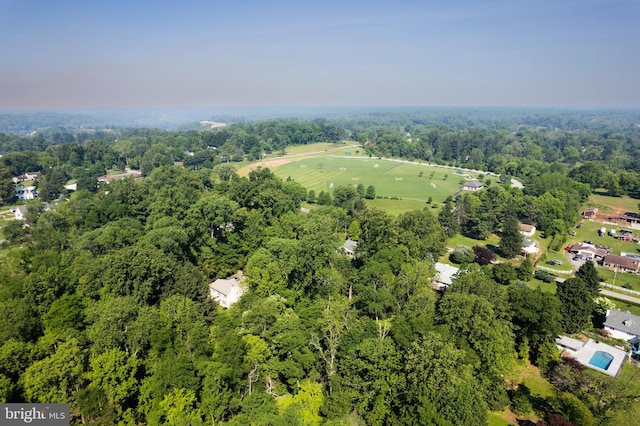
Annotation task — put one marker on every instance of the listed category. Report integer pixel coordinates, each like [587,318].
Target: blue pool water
[601,360]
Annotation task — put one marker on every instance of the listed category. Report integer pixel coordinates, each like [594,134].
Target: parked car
[554,262]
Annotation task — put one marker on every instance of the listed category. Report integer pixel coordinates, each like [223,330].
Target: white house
[227,291]
[26,192]
[622,325]
[350,247]
[529,246]
[20,212]
[444,275]
[527,230]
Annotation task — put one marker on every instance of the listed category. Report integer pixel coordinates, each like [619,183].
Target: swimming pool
[601,360]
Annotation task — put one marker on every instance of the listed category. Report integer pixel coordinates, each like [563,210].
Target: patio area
[595,355]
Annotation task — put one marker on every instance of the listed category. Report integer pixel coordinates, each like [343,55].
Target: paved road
[620,296]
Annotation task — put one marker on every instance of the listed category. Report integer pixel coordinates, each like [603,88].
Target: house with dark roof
[622,325]
[472,185]
[621,263]
[589,213]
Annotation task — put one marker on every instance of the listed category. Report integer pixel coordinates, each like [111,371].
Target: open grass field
[612,204]
[397,207]
[400,185]
[390,178]
[296,152]
[316,147]
[461,240]
[631,281]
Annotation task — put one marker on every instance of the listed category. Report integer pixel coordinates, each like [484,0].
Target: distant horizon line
[319,106]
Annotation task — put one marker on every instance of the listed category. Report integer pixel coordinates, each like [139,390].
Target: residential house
[529,246]
[590,213]
[26,192]
[588,251]
[20,212]
[350,247]
[227,291]
[472,185]
[444,275]
[621,263]
[527,230]
[622,325]
[28,176]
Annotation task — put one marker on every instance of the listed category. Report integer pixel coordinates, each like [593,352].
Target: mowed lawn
[390,178]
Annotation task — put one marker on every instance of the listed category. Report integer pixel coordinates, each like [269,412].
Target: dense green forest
[106,304]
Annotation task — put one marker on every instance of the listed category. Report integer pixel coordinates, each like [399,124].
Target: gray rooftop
[350,246]
[569,343]
[223,285]
[623,321]
[445,273]
[473,184]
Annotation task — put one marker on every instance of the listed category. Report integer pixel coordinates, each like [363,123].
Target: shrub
[545,276]
[520,400]
[462,254]
[483,256]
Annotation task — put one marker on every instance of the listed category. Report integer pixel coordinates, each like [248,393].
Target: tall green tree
[524,271]
[7,188]
[440,387]
[448,220]
[57,377]
[588,273]
[536,314]
[576,304]
[511,239]
[371,193]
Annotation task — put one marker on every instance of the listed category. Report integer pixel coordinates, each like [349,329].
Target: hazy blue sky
[112,53]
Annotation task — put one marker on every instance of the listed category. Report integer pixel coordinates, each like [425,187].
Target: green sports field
[391,179]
